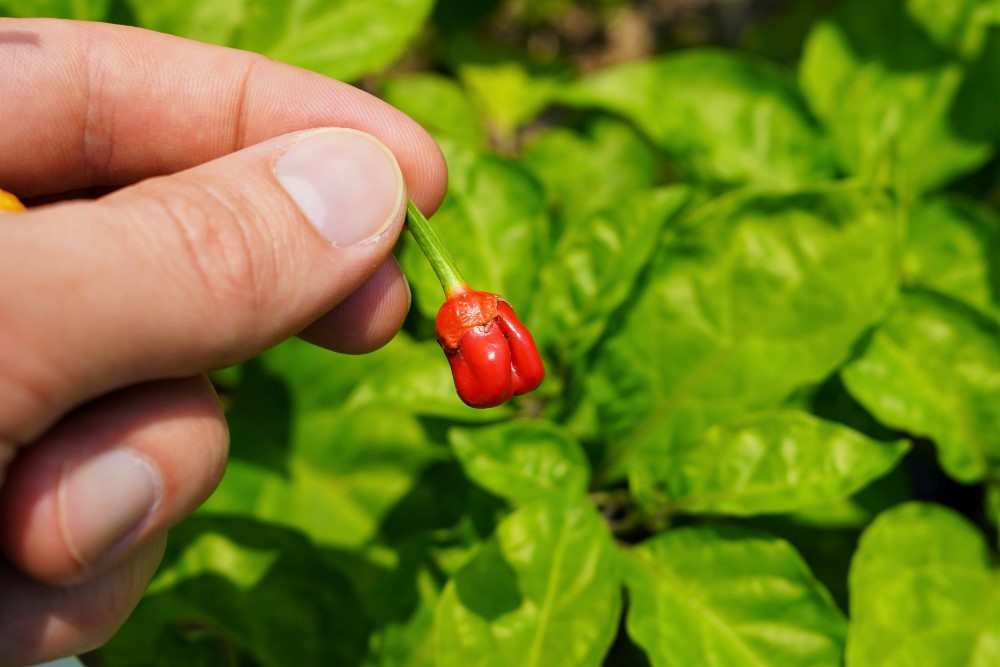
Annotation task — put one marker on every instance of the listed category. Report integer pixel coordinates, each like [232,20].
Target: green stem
[433,248]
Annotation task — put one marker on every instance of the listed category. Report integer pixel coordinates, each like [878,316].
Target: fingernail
[346,182]
[101,499]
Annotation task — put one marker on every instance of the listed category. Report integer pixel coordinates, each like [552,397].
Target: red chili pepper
[492,355]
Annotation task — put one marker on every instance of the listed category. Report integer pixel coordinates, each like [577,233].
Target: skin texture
[113,308]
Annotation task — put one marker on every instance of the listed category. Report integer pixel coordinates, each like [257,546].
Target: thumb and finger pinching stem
[491,353]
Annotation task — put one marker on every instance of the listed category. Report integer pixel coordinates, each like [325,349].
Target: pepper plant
[763,274]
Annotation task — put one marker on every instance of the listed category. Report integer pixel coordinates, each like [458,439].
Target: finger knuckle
[224,258]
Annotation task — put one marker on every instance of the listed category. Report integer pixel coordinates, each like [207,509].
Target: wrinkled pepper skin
[491,353]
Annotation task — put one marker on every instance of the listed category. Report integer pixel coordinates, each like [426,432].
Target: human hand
[111,309]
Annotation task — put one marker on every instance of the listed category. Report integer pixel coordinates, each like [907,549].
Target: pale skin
[112,309]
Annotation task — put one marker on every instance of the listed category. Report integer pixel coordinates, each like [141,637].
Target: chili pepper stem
[435,251]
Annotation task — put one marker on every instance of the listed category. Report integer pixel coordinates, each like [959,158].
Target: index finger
[89,104]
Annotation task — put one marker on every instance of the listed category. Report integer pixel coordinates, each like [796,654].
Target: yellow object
[9,202]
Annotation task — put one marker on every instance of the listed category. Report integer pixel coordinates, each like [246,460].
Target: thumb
[186,272]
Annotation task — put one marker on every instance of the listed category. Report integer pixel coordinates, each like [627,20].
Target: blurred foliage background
[757,241]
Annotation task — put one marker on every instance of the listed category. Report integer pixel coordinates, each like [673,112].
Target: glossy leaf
[720,118]
[266,396]
[768,462]
[595,266]
[897,102]
[251,588]
[758,294]
[521,461]
[494,219]
[542,592]
[717,598]
[923,592]
[318,379]
[953,246]
[340,38]
[346,470]
[933,369]
[590,171]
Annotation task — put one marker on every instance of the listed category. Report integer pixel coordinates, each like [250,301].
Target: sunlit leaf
[340,38]
[953,246]
[595,266]
[85,10]
[521,461]
[758,294]
[592,170]
[254,591]
[438,103]
[346,470]
[718,598]
[543,592]
[933,369]
[899,104]
[767,462]
[923,592]
[720,117]
[506,93]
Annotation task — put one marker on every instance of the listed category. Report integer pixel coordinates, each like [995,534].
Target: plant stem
[433,248]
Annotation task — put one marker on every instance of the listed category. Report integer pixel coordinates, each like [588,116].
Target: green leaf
[408,642]
[720,117]
[318,379]
[757,295]
[265,396]
[400,592]
[594,268]
[953,246]
[956,25]
[521,461]
[84,10]
[542,592]
[895,101]
[439,104]
[252,588]
[933,369]
[494,220]
[768,462]
[340,38]
[212,21]
[923,592]
[506,94]
[714,597]
[586,172]
[346,471]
